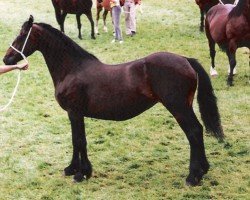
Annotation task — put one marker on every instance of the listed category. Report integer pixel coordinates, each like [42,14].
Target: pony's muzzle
[9,60]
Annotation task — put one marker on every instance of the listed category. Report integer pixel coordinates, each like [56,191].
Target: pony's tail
[207,101]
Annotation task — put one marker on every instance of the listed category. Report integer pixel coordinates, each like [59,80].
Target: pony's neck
[61,54]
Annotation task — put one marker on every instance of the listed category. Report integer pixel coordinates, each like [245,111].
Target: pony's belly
[119,112]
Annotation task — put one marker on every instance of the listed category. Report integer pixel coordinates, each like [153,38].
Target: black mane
[68,44]
[238,9]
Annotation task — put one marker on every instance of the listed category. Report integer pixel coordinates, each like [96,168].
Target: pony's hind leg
[80,165]
[190,125]
[90,18]
[212,51]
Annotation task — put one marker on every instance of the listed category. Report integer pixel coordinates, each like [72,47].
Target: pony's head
[26,38]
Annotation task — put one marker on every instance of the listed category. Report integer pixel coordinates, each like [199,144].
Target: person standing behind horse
[130,16]
[116,15]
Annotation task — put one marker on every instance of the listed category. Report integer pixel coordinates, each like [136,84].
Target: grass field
[146,157]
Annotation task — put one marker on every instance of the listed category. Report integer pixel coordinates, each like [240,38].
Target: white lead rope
[235,2]
[19,74]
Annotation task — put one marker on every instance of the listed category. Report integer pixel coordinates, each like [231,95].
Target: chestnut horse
[229,27]
[100,5]
[86,87]
[205,5]
[77,7]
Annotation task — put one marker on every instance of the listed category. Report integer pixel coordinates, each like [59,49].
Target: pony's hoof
[80,37]
[234,70]
[105,29]
[230,83]
[93,37]
[79,177]
[192,181]
[213,72]
[69,171]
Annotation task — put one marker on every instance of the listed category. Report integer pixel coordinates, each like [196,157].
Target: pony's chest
[69,93]
[237,27]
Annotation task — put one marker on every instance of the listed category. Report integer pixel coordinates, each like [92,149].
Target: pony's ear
[31,20]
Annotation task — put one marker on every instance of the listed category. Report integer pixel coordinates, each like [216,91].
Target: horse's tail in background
[207,101]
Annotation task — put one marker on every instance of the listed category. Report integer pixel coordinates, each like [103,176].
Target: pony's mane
[238,9]
[72,48]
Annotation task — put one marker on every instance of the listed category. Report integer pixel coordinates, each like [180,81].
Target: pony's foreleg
[105,13]
[202,20]
[63,16]
[80,165]
[79,25]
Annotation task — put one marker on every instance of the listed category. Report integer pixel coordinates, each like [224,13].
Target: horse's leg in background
[79,25]
[232,62]
[212,51]
[57,13]
[105,13]
[187,120]
[99,9]
[80,165]
[202,20]
[89,16]
[63,16]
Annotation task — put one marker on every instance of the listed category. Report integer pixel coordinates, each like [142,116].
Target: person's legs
[119,32]
[127,18]
[132,18]
[116,13]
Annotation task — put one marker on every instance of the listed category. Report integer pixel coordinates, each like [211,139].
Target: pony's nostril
[5,60]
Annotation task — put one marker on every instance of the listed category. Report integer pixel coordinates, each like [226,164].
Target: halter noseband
[19,74]
[25,42]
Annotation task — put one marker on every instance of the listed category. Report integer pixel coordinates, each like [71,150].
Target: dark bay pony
[77,7]
[86,87]
[102,5]
[205,5]
[229,27]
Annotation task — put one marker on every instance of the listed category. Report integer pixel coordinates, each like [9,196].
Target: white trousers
[130,21]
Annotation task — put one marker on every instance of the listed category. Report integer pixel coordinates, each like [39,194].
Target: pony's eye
[21,36]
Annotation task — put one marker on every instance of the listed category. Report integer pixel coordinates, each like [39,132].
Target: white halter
[235,2]
[19,74]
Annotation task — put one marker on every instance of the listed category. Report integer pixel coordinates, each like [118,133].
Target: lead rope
[235,2]
[19,74]
[249,66]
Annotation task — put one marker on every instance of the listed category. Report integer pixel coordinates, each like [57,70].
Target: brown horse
[77,7]
[205,5]
[100,5]
[86,87]
[229,27]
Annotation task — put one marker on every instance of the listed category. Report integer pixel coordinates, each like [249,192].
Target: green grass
[146,157]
